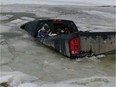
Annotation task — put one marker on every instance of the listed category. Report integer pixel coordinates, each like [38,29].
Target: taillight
[75,46]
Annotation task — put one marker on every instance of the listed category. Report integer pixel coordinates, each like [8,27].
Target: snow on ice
[15,78]
[19,79]
[63,2]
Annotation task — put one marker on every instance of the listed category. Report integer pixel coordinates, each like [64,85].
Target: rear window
[59,26]
[70,26]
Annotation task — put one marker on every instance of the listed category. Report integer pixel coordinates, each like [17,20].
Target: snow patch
[28,85]
[5,17]
[5,79]
[104,14]
[27,18]
[19,79]
[4,28]
[95,81]
[17,22]
[100,56]
[26,36]
[49,85]
[16,78]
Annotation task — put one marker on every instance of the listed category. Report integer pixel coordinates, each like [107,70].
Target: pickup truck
[64,36]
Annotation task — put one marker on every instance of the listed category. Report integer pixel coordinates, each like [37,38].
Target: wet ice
[20,52]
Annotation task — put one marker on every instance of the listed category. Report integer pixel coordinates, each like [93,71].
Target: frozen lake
[20,52]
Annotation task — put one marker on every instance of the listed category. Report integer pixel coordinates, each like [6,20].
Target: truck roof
[53,20]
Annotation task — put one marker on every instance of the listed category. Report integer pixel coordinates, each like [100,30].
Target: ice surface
[20,54]
[27,18]
[19,79]
[28,85]
[18,22]
[4,28]
[104,14]
[91,19]
[49,85]
[5,17]
[63,2]
[5,78]
[15,78]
